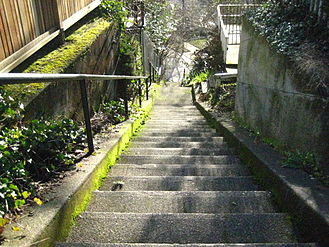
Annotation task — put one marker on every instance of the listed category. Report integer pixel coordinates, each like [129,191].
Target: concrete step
[180,125]
[162,139]
[161,114]
[181,202]
[178,151]
[189,112]
[178,170]
[175,144]
[178,118]
[174,111]
[173,108]
[176,121]
[182,159]
[181,228]
[177,129]
[186,245]
[178,183]
[181,134]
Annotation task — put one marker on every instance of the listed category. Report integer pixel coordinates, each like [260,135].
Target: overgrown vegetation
[38,151]
[207,62]
[34,152]
[306,161]
[292,30]
[293,158]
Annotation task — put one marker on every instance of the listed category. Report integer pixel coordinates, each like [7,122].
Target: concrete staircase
[179,184]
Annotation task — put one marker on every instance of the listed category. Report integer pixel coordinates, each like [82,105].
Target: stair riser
[173,228]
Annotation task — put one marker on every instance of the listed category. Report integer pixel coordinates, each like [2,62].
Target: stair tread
[181,228]
[178,151]
[174,183]
[178,170]
[168,144]
[179,159]
[181,202]
[185,245]
[217,139]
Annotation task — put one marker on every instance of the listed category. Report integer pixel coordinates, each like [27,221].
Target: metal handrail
[21,78]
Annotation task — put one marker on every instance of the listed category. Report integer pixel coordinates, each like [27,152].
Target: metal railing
[229,23]
[21,78]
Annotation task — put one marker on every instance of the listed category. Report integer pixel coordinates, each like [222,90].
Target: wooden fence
[27,25]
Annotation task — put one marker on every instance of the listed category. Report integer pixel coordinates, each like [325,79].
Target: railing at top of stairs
[229,22]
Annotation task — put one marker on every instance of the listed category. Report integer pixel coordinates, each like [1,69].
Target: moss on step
[59,60]
[79,202]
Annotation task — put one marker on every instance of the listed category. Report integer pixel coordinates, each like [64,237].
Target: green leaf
[19,203]
[26,194]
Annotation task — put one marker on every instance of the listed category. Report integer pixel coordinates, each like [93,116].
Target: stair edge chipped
[303,201]
[53,220]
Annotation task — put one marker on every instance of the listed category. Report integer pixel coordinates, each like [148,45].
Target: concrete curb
[53,220]
[305,199]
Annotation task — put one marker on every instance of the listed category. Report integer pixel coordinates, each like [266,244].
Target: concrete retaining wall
[272,98]
[63,99]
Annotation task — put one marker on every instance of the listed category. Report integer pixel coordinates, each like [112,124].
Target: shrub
[33,153]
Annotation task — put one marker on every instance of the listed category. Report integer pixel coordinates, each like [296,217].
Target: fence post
[58,21]
[86,113]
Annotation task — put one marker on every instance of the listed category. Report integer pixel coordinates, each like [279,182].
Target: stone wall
[63,99]
[272,97]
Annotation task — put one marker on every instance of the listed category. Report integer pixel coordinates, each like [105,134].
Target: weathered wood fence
[27,25]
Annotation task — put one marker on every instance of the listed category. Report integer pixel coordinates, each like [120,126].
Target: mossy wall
[273,98]
[92,49]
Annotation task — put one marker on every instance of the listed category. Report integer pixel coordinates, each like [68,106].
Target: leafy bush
[222,98]
[10,110]
[115,11]
[33,153]
[209,58]
[115,111]
[201,77]
[306,161]
[288,24]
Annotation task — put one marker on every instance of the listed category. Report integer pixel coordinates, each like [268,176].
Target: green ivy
[288,24]
[115,111]
[33,153]
[11,111]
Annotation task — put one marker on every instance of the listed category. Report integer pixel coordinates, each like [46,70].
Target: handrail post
[153,74]
[147,88]
[86,113]
[125,99]
[140,91]
[150,71]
